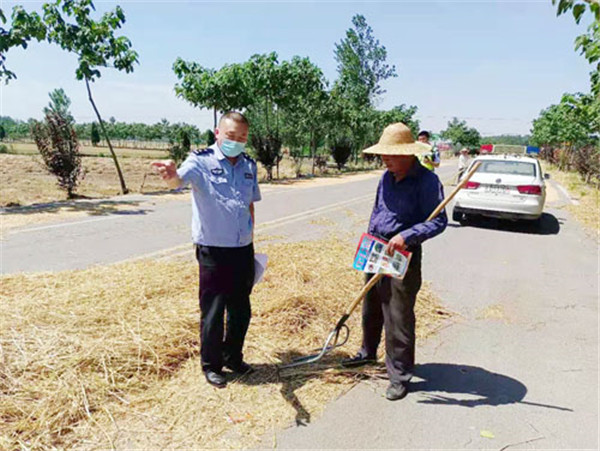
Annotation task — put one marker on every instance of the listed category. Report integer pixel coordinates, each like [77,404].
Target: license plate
[497,189]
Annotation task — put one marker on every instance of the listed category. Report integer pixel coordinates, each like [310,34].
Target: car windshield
[507,167]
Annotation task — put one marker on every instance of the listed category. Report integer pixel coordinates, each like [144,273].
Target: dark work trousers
[391,304]
[226,278]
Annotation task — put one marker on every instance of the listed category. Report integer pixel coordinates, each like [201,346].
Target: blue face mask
[231,148]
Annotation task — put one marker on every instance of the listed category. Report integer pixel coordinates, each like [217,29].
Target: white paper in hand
[260,264]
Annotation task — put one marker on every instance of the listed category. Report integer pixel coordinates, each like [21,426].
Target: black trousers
[391,304]
[226,278]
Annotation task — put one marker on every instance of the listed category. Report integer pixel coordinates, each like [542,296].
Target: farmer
[431,159]
[407,194]
[224,189]
[463,163]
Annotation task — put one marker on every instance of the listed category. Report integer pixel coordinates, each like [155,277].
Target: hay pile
[108,357]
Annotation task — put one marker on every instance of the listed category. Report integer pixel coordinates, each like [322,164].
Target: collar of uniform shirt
[218,152]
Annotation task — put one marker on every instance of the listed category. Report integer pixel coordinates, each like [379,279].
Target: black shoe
[216,379]
[358,360]
[396,391]
[241,368]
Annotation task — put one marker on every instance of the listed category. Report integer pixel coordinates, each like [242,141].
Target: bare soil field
[25,180]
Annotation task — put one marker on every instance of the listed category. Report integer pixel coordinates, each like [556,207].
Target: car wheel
[457,215]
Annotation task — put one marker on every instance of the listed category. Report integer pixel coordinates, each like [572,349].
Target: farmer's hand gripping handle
[377,277]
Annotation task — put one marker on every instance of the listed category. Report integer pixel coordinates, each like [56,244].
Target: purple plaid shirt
[402,207]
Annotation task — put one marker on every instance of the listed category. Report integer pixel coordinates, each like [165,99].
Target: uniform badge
[216,171]
[248,176]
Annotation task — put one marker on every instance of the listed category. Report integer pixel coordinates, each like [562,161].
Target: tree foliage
[589,43]
[57,143]
[94,134]
[461,135]
[289,102]
[361,64]
[181,147]
[512,140]
[568,134]
[341,149]
[24,27]
[59,104]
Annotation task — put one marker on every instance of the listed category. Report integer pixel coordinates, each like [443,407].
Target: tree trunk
[124,189]
[214,117]
[313,151]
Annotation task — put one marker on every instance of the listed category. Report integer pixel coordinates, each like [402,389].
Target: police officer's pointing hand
[168,171]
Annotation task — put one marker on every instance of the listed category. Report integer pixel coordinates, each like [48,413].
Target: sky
[494,64]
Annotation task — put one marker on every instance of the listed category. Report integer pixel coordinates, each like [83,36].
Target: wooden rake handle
[377,277]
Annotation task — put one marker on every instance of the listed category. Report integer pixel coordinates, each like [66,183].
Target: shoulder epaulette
[206,151]
[249,158]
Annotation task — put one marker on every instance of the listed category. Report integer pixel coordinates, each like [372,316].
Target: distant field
[24,148]
[26,181]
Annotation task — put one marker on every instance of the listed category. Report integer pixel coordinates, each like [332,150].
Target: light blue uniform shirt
[221,197]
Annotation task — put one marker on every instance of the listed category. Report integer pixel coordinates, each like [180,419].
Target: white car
[506,187]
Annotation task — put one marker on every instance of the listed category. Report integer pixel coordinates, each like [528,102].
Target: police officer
[224,189]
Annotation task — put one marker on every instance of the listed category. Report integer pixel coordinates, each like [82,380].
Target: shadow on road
[290,380]
[547,224]
[469,386]
[91,207]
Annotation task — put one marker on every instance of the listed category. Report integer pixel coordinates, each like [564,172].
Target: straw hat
[464,149]
[397,139]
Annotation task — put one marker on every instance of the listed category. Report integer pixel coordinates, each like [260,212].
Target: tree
[180,149]
[588,44]
[514,140]
[306,111]
[59,104]
[268,83]
[94,135]
[341,149]
[361,64]
[222,90]
[461,135]
[2,133]
[24,28]
[567,133]
[209,137]
[94,43]
[68,24]
[59,148]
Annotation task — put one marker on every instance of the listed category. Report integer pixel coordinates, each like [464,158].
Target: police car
[504,186]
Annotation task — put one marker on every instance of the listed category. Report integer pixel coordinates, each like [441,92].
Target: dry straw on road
[108,357]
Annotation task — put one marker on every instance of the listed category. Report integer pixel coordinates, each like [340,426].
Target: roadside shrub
[341,149]
[57,143]
[3,148]
[95,135]
[180,150]
[268,151]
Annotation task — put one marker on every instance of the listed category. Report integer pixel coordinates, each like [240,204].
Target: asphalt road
[149,227]
[517,366]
